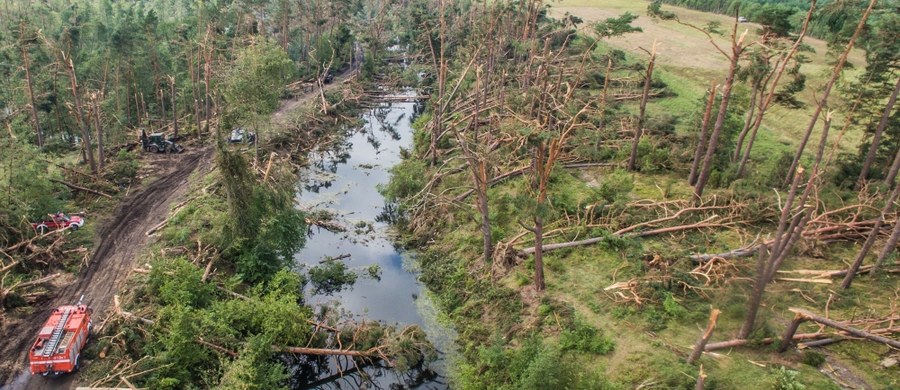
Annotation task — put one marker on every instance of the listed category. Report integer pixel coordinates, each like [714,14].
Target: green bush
[124,167]
[787,380]
[616,186]
[585,338]
[813,358]
[177,282]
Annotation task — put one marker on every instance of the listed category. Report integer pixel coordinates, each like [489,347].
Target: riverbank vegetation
[582,218]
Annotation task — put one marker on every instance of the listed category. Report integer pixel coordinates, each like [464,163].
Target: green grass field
[688,62]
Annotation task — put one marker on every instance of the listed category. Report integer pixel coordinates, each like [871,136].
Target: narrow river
[344,180]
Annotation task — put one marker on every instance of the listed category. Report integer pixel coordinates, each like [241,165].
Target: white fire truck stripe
[50,362]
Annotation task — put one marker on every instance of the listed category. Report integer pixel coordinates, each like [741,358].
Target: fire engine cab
[61,340]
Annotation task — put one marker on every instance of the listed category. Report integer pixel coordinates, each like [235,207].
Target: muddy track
[120,241]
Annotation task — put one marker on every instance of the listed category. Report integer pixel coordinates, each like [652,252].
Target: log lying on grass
[806,315]
[810,339]
[702,224]
[80,188]
[732,254]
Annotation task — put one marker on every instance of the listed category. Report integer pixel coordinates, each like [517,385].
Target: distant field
[689,62]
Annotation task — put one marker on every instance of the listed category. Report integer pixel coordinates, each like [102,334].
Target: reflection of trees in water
[328,160]
[340,372]
[390,214]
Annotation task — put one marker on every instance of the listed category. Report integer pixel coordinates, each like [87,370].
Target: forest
[594,194]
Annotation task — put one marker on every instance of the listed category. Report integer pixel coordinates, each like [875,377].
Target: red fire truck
[61,340]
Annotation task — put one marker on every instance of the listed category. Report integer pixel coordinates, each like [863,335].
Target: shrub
[585,338]
[813,358]
[616,186]
[787,380]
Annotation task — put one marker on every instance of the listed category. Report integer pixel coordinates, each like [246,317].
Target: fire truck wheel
[74,227]
[77,363]
[42,229]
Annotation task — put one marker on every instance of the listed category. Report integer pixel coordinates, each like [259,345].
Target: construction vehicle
[158,143]
[61,340]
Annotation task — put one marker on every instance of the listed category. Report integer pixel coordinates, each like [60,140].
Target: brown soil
[119,242]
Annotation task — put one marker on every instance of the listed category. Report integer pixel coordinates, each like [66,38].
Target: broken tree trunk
[806,315]
[835,74]
[80,188]
[701,380]
[701,343]
[873,235]
[759,288]
[639,131]
[789,332]
[127,314]
[888,248]
[29,87]
[772,90]
[323,351]
[737,48]
[876,138]
[818,336]
[700,150]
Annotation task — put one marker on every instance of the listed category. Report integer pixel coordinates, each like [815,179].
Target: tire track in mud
[119,243]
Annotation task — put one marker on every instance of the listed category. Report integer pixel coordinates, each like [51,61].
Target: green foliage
[585,338]
[254,84]
[177,282]
[614,27]
[407,179]
[28,194]
[813,358]
[534,365]
[775,19]
[787,379]
[265,228]
[254,368]
[331,276]
[616,186]
[124,167]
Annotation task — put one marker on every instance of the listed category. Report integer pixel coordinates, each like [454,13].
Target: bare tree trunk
[704,338]
[825,94]
[207,70]
[789,333]
[747,124]
[29,86]
[888,248]
[604,94]
[174,107]
[892,174]
[101,151]
[873,235]
[772,90]
[876,138]
[720,121]
[701,141]
[806,315]
[79,112]
[759,288]
[539,253]
[632,161]
[701,380]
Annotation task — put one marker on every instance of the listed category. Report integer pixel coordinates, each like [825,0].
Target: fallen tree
[802,315]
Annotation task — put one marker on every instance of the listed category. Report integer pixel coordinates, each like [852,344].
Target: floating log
[323,351]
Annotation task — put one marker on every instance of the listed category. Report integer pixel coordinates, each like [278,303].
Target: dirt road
[120,241]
